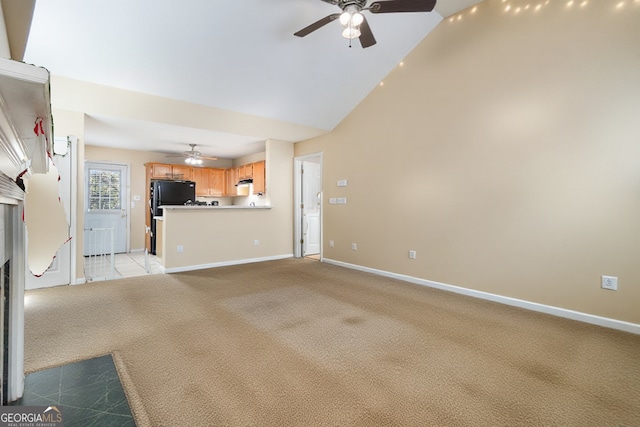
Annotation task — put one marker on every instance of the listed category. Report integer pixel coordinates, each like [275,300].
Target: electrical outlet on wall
[331,243]
[354,246]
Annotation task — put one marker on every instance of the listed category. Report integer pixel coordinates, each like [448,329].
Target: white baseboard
[223,263]
[548,309]
[80,281]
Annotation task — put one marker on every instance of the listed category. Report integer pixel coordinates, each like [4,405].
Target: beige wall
[506,152]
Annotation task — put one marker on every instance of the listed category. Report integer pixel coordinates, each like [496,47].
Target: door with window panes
[105,203]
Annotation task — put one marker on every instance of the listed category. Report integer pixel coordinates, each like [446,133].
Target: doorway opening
[106,205]
[106,217]
[308,202]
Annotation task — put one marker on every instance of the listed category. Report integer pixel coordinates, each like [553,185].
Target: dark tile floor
[88,393]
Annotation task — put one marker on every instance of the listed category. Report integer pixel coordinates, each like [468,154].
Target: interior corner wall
[279,185]
[506,153]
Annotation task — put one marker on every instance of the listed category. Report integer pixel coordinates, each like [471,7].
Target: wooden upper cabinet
[217,182]
[167,171]
[201,177]
[182,172]
[160,170]
[232,180]
[259,177]
[211,182]
[245,171]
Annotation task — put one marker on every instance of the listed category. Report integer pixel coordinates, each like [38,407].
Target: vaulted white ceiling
[238,56]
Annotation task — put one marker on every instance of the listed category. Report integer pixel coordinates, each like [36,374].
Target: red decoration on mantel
[39,128]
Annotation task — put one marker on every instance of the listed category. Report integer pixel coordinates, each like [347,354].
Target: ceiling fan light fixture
[356,19]
[351,32]
[345,17]
[193,160]
[351,16]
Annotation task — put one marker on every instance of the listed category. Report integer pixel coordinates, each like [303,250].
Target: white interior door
[105,207]
[59,273]
[311,204]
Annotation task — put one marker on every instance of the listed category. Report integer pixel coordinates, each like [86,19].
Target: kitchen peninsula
[192,237]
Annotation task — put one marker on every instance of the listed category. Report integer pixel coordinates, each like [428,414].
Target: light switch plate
[610,282]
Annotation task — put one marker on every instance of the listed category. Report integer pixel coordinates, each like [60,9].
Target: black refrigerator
[168,193]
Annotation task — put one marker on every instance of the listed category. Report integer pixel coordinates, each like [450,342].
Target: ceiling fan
[356,25]
[192,157]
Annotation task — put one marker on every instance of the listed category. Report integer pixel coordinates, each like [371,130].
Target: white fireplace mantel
[25,138]
[24,102]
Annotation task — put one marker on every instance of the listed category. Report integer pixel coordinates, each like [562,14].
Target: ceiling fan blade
[366,36]
[318,24]
[331,1]
[208,158]
[393,6]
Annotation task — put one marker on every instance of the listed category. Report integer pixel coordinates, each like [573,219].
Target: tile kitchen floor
[126,265]
[88,393]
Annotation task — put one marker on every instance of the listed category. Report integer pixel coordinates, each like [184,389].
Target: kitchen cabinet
[259,185]
[201,177]
[167,171]
[217,182]
[182,172]
[210,182]
[245,171]
[232,180]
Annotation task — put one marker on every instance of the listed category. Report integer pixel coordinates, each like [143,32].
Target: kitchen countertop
[199,207]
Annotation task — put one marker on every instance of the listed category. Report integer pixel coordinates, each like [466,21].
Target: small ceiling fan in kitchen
[354,22]
[192,156]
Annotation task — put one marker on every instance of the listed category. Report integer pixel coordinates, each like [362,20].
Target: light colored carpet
[302,343]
